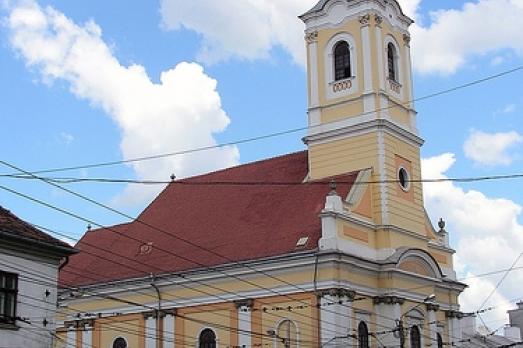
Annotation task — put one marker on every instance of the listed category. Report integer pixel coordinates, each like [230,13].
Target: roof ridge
[244,165]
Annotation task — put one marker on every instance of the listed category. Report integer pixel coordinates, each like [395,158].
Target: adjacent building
[328,247]
[29,263]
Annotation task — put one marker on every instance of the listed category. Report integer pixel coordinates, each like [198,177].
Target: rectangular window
[8,292]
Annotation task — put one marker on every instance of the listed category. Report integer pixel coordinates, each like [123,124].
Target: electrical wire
[280,133]
[73,180]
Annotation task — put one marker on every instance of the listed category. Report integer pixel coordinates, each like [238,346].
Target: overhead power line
[276,134]
[73,180]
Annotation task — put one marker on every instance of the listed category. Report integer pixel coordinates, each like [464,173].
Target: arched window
[440,341]
[287,334]
[392,62]
[207,339]
[363,335]
[415,339]
[120,343]
[342,68]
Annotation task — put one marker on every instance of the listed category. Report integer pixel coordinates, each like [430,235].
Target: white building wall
[35,276]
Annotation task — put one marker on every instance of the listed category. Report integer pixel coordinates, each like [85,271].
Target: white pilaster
[380,53]
[433,327]
[150,332]
[410,86]
[388,310]
[335,318]
[456,330]
[169,330]
[244,325]
[454,325]
[87,337]
[314,100]
[71,337]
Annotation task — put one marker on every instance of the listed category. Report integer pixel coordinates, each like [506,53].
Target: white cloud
[182,112]
[247,29]
[66,138]
[509,108]
[453,36]
[488,234]
[491,148]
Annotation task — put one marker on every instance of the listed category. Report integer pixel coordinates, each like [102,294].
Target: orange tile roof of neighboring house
[239,222]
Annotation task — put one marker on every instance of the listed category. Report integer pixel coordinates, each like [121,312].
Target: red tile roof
[13,227]
[239,222]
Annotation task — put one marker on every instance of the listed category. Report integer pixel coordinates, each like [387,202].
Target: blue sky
[64,109]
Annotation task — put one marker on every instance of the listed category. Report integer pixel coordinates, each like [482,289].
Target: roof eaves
[56,249]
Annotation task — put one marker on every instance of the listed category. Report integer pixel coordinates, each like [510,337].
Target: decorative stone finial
[441,225]
[333,187]
[89,227]
[173,177]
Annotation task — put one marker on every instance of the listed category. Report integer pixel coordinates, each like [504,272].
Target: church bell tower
[360,111]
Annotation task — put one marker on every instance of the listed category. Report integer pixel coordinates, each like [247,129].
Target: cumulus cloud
[453,36]
[247,29]
[183,111]
[443,44]
[489,236]
[491,148]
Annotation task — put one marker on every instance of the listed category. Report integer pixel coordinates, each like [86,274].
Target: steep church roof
[248,212]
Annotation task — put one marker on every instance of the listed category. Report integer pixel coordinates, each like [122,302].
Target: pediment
[419,262]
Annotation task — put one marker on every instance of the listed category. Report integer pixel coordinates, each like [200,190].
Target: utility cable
[280,133]
[187,182]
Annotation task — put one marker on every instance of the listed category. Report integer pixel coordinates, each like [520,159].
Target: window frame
[204,331]
[392,62]
[415,340]
[351,84]
[363,337]
[120,338]
[440,340]
[346,61]
[8,292]
[287,341]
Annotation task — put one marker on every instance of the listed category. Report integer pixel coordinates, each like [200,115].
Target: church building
[328,247]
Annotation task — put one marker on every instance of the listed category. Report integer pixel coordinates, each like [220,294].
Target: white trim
[398,60]
[202,329]
[71,338]
[367,60]
[87,337]
[244,326]
[313,75]
[433,327]
[407,174]
[351,127]
[383,178]
[169,331]
[331,16]
[150,332]
[277,340]
[379,44]
[117,337]
[353,81]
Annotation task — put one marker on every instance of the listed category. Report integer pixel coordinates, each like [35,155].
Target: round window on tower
[404,179]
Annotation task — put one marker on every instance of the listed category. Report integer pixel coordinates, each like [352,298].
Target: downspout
[64,263]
